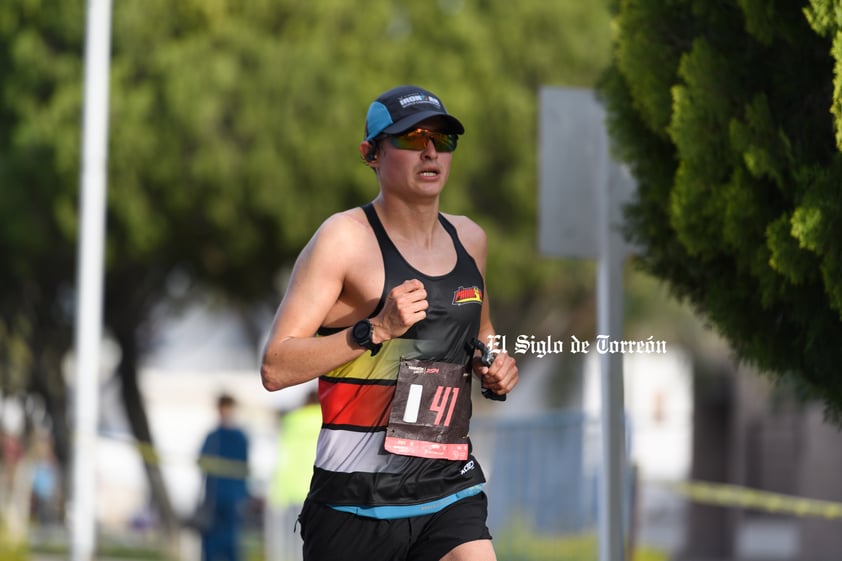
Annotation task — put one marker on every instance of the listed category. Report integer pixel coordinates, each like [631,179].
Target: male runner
[381,306]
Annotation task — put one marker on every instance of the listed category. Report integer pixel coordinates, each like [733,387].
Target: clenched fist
[405,306]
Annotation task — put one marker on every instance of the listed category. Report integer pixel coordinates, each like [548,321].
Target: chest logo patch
[470,295]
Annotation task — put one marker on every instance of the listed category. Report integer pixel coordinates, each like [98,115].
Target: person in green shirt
[297,437]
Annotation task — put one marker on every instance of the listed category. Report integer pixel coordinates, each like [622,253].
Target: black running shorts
[330,535]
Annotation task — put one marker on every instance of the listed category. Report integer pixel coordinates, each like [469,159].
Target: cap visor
[453,124]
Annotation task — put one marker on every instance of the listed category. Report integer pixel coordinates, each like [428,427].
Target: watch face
[362,331]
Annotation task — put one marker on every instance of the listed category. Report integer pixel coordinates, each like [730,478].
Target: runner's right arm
[293,354]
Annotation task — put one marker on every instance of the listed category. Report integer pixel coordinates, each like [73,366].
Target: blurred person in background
[45,482]
[382,306]
[223,459]
[299,430]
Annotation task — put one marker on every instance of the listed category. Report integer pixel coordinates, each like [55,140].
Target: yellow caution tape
[719,494]
[726,495]
[211,465]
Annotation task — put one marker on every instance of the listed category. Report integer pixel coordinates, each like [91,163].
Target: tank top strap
[393,262]
[451,230]
[386,245]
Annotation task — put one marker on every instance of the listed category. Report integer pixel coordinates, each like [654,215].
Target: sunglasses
[418,139]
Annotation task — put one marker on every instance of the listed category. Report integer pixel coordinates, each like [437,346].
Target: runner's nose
[429,151]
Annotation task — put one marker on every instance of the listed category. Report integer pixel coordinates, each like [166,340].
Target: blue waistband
[407,511]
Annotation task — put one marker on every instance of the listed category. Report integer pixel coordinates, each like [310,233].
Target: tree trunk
[710,531]
[47,382]
[136,414]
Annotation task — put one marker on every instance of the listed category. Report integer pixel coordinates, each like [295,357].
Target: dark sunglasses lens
[409,141]
[417,140]
[444,142]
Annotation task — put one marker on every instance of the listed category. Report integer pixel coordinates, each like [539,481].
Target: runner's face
[423,172]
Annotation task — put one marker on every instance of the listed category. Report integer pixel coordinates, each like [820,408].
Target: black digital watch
[362,332]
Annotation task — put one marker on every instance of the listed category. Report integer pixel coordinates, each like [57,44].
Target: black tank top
[455,298]
[352,466]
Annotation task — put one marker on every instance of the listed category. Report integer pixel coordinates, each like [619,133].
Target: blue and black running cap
[403,107]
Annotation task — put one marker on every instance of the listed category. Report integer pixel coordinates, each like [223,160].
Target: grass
[252,547]
[13,552]
[522,544]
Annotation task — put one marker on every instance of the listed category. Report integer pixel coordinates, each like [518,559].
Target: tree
[722,110]
[39,111]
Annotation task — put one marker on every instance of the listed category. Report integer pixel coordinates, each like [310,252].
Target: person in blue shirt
[224,463]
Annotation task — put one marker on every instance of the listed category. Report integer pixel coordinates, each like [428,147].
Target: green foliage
[723,111]
[234,129]
[825,16]
[235,125]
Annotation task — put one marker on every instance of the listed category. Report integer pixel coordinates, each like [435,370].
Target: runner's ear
[371,151]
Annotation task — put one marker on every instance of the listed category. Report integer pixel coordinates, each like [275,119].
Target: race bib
[431,411]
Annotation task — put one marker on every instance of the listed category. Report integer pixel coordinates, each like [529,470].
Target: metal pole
[90,277]
[581,196]
[610,323]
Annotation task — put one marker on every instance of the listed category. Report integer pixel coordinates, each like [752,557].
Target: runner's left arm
[502,376]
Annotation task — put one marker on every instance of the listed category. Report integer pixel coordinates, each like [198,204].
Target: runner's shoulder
[471,234]
[346,227]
